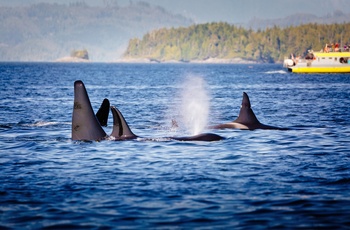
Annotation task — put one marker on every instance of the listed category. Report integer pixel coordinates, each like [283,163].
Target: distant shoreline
[142,61]
[207,61]
[71,59]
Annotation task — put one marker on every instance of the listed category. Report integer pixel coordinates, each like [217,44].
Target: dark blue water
[299,178]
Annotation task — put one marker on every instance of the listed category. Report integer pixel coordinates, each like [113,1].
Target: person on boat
[292,58]
[336,47]
[309,55]
[326,50]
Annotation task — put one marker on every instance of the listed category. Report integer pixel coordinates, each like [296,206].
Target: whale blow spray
[194,104]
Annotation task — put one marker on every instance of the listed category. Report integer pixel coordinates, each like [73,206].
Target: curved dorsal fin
[102,113]
[246,115]
[121,129]
[85,125]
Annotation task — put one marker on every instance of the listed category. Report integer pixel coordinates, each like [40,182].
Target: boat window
[344,60]
[330,58]
[335,59]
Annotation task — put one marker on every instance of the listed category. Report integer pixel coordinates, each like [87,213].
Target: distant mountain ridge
[50,31]
[299,19]
[46,32]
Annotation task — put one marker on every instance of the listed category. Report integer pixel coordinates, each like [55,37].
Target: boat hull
[314,69]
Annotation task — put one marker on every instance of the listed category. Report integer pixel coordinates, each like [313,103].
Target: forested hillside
[46,32]
[225,41]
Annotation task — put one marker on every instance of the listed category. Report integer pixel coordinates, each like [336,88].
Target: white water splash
[45,123]
[194,104]
[276,72]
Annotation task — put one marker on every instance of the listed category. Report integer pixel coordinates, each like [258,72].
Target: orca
[200,137]
[87,127]
[246,119]
[122,131]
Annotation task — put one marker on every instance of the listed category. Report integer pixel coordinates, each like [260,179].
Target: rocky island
[76,56]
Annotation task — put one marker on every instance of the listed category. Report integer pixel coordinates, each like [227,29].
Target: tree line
[225,41]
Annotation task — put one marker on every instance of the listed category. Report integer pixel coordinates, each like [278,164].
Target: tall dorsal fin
[121,129]
[102,113]
[85,125]
[246,115]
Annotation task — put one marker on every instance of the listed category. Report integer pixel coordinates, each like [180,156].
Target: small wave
[276,71]
[45,123]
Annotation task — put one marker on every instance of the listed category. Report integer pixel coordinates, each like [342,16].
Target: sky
[232,11]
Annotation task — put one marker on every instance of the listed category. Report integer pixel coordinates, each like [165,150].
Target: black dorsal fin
[121,129]
[246,115]
[85,125]
[102,113]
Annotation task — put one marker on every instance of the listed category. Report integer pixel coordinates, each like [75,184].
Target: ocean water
[262,179]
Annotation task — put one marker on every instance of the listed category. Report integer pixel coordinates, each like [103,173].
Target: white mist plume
[194,105]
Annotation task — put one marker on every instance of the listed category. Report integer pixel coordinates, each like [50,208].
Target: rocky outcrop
[76,56]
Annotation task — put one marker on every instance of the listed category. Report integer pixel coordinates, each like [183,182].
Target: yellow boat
[320,62]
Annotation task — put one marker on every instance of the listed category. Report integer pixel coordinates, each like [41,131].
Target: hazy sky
[233,11]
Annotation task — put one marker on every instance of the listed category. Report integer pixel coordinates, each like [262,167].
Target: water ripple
[298,178]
